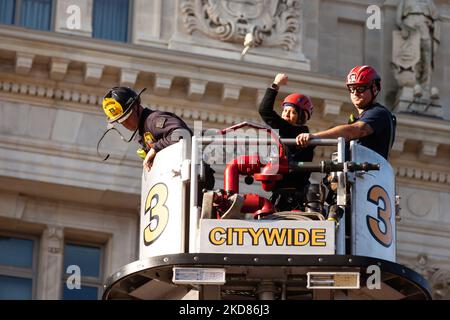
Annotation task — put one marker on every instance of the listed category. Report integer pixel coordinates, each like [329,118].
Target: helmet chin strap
[109,128]
[373,95]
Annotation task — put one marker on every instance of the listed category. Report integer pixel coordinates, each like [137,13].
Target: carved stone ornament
[421,204]
[437,278]
[273,23]
[55,239]
[413,56]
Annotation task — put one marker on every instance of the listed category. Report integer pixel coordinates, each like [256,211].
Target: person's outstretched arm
[266,111]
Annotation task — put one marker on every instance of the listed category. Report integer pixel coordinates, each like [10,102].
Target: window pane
[16,252]
[85,257]
[85,293]
[13,288]
[110,20]
[7,11]
[36,14]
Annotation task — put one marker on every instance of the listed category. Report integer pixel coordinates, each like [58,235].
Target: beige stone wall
[51,84]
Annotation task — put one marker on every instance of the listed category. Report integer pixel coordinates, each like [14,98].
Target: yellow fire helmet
[119,101]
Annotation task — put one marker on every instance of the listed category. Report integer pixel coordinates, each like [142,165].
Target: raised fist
[280,79]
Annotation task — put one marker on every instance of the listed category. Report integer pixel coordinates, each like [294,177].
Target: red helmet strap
[299,102]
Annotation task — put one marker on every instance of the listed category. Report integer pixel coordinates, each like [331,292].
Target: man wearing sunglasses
[156,129]
[374,126]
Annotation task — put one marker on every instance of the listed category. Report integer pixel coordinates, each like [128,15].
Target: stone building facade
[56,192]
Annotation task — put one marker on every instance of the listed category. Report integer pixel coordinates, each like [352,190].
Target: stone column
[70,12]
[50,269]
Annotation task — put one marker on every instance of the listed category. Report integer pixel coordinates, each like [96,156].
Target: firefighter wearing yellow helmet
[155,129]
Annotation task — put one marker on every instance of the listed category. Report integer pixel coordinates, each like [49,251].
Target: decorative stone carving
[439,283]
[331,108]
[69,11]
[272,23]
[93,73]
[128,77]
[405,56]
[230,94]
[414,49]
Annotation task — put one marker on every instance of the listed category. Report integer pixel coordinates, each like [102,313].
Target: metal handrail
[220,139]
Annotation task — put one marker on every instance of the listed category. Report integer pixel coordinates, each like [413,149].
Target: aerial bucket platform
[226,245]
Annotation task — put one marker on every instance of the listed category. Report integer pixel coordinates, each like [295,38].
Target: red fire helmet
[362,75]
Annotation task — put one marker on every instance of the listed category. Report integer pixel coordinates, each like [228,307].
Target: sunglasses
[125,117]
[358,89]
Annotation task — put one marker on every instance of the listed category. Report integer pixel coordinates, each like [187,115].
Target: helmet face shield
[112,108]
[125,117]
[300,102]
[357,88]
[362,75]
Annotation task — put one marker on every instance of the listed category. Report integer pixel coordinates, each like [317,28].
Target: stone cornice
[159,60]
[360,3]
[79,165]
[433,180]
[435,270]
[422,227]
[70,152]
[94,58]
[436,130]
